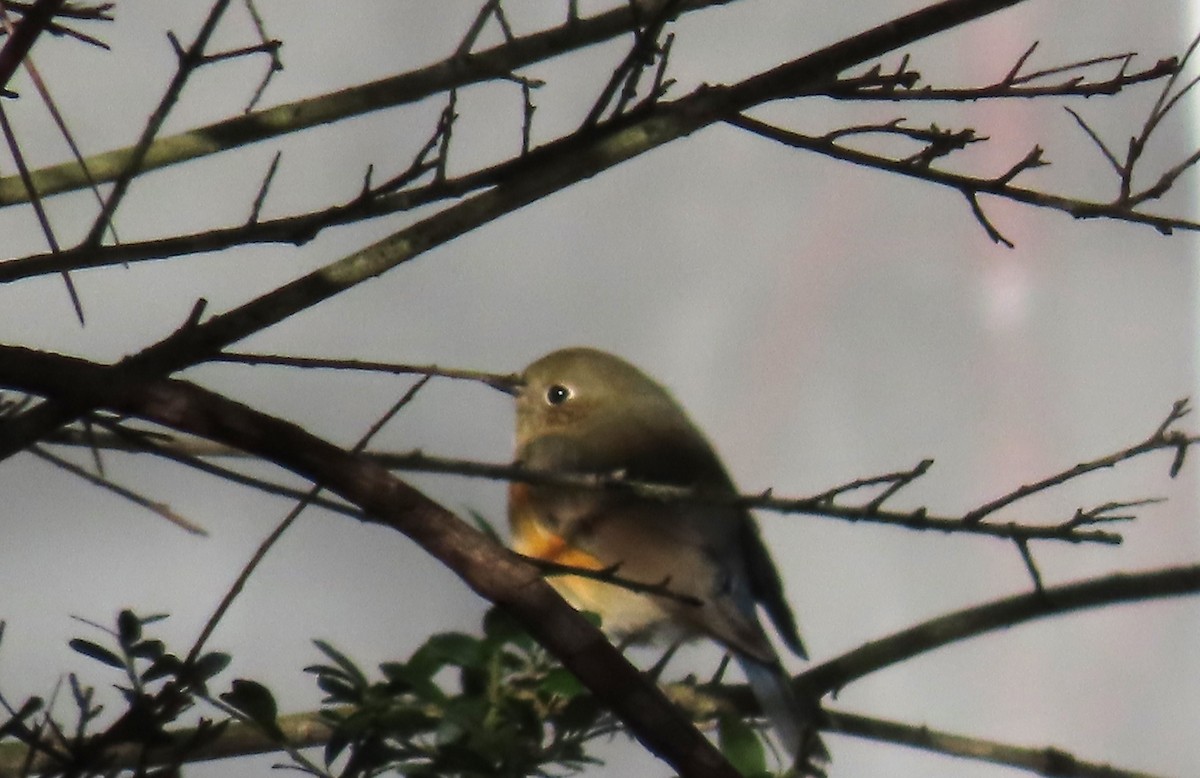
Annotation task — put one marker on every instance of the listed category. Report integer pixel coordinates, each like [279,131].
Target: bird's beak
[509,384]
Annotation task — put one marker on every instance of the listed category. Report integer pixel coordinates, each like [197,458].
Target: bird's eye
[557,394]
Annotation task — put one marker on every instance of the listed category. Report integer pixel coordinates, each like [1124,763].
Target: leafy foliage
[460,706]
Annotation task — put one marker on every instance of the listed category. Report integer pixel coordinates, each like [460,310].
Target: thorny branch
[311,729]
[904,84]
[490,570]
[970,186]
[1168,98]
[1164,437]
[388,199]
[1080,527]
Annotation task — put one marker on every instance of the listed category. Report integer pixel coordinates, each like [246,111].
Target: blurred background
[820,322]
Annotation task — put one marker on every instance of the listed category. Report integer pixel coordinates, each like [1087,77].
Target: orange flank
[532,538]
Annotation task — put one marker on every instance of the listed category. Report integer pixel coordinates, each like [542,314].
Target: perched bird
[580,410]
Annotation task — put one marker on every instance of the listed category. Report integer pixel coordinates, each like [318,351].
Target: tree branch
[489,569]
[1049,762]
[560,164]
[999,614]
[414,86]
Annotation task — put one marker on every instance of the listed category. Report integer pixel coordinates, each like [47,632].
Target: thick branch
[34,21]
[971,186]
[561,164]
[999,614]
[1050,762]
[1074,530]
[489,569]
[456,71]
[306,730]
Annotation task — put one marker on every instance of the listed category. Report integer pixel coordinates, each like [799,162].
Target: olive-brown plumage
[585,411]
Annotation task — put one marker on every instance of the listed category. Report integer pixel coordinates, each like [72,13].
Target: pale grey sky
[820,322]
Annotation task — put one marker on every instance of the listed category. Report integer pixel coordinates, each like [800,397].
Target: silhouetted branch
[1164,437]
[970,186]
[410,87]
[1000,614]
[1073,530]
[491,570]
[1050,762]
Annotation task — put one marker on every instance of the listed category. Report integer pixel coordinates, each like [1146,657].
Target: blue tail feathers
[794,719]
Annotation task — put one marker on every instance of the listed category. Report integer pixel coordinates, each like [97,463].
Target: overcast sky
[821,323]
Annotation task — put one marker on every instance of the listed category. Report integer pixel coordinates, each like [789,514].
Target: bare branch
[1049,762]
[404,88]
[1077,529]
[1116,164]
[1079,209]
[505,382]
[1163,437]
[161,509]
[1000,614]
[189,60]
[489,569]
[985,222]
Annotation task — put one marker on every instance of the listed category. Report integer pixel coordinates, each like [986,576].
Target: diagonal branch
[489,569]
[953,627]
[1049,762]
[969,186]
[1164,437]
[560,164]
[405,88]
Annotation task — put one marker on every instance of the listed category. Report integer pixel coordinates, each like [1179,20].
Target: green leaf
[148,649]
[335,746]
[162,667]
[413,678]
[257,703]
[484,525]
[562,682]
[580,714]
[741,746]
[338,691]
[97,652]
[354,675]
[500,626]
[210,664]
[447,648]
[129,628]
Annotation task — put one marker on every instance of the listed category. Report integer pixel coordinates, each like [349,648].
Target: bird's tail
[794,719]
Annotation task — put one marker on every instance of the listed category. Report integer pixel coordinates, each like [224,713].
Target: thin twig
[1162,437]
[166,447]
[36,201]
[610,575]
[261,552]
[1049,762]
[502,381]
[968,185]
[189,60]
[158,508]
[1074,530]
[264,187]
[1004,613]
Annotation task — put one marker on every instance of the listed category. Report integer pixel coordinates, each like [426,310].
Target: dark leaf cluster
[460,705]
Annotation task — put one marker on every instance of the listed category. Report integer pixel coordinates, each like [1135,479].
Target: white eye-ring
[557,394]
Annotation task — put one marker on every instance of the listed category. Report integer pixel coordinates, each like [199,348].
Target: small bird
[580,410]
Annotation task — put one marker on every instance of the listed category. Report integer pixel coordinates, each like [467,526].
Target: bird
[584,411]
